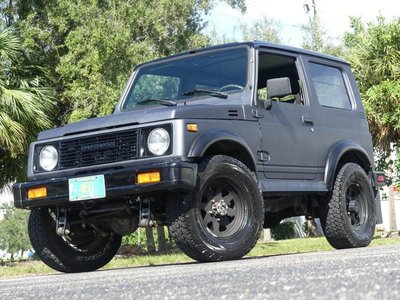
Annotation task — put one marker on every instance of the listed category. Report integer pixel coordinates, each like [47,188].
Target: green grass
[25,268]
[291,246]
[148,260]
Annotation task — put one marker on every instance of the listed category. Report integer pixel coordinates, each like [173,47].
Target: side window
[270,66]
[329,86]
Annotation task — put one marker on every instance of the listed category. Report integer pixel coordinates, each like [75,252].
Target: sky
[290,14]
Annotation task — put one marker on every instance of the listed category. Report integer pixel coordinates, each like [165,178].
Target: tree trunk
[267,235]
[162,245]
[313,230]
[150,240]
[170,242]
[392,205]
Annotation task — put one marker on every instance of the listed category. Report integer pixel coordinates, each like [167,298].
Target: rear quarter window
[329,86]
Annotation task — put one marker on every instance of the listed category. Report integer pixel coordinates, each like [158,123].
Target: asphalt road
[368,273]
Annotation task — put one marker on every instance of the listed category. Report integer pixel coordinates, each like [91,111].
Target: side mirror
[278,87]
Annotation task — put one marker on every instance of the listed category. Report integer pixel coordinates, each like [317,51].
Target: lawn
[27,268]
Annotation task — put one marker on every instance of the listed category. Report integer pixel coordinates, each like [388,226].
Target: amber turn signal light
[39,192]
[192,127]
[148,177]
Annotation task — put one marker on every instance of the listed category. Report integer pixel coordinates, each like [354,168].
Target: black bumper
[175,176]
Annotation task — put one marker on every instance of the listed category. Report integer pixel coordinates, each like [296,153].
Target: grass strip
[28,268]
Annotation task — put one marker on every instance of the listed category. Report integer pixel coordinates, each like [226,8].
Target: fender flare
[336,153]
[210,137]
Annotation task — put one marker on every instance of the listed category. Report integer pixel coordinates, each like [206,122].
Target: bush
[283,231]
[138,238]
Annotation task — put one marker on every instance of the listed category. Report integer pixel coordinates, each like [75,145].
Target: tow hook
[62,227]
[145,216]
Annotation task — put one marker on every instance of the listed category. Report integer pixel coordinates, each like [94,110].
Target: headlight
[48,158]
[158,141]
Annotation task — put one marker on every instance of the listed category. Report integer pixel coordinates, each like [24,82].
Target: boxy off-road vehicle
[216,143]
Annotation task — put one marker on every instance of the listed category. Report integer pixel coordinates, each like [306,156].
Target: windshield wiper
[165,102]
[207,92]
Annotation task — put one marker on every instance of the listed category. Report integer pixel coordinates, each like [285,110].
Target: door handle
[307,120]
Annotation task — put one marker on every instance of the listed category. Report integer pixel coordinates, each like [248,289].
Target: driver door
[288,138]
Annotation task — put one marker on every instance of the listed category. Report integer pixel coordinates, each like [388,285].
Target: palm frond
[26,106]
[10,45]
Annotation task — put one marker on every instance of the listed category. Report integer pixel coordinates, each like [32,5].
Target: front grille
[99,149]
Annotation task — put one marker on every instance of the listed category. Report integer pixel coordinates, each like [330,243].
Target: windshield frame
[134,76]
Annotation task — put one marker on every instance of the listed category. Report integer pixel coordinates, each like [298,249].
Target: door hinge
[263,155]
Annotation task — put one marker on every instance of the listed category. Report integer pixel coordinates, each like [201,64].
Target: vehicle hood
[136,117]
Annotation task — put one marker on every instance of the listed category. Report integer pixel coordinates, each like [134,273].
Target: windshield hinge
[255,113]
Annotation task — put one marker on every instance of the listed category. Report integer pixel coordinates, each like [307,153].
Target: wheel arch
[345,152]
[214,142]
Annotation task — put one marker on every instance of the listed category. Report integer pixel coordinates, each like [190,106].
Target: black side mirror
[278,87]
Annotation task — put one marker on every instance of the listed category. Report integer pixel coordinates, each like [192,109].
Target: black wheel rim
[222,209]
[356,209]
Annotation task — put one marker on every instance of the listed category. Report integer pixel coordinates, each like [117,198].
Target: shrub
[283,231]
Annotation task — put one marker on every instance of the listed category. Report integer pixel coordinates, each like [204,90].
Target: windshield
[215,74]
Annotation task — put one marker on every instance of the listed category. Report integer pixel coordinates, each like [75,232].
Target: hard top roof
[257,44]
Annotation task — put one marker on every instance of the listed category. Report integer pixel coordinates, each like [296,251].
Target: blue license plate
[85,188]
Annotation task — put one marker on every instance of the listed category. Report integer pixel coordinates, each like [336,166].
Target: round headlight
[158,141]
[48,158]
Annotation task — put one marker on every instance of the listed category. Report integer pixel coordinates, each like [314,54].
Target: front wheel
[348,218]
[223,217]
[81,253]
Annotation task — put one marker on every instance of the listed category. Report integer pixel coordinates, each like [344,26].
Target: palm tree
[374,53]
[26,106]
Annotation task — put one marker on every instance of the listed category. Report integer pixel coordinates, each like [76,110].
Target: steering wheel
[228,87]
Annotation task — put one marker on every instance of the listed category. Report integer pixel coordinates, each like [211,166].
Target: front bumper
[174,176]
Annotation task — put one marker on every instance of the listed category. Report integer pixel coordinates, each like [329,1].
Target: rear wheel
[348,218]
[223,217]
[80,253]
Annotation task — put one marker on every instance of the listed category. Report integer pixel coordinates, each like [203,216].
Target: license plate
[85,188]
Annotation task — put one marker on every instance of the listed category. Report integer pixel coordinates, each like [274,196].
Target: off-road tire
[348,218]
[206,236]
[59,255]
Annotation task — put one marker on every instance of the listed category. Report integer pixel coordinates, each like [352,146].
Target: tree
[12,10]
[26,106]
[86,51]
[91,47]
[374,53]
[265,29]
[315,37]
[13,231]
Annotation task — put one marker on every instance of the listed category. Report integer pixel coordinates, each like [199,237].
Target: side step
[273,185]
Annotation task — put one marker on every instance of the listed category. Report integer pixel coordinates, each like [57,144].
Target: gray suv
[216,143]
